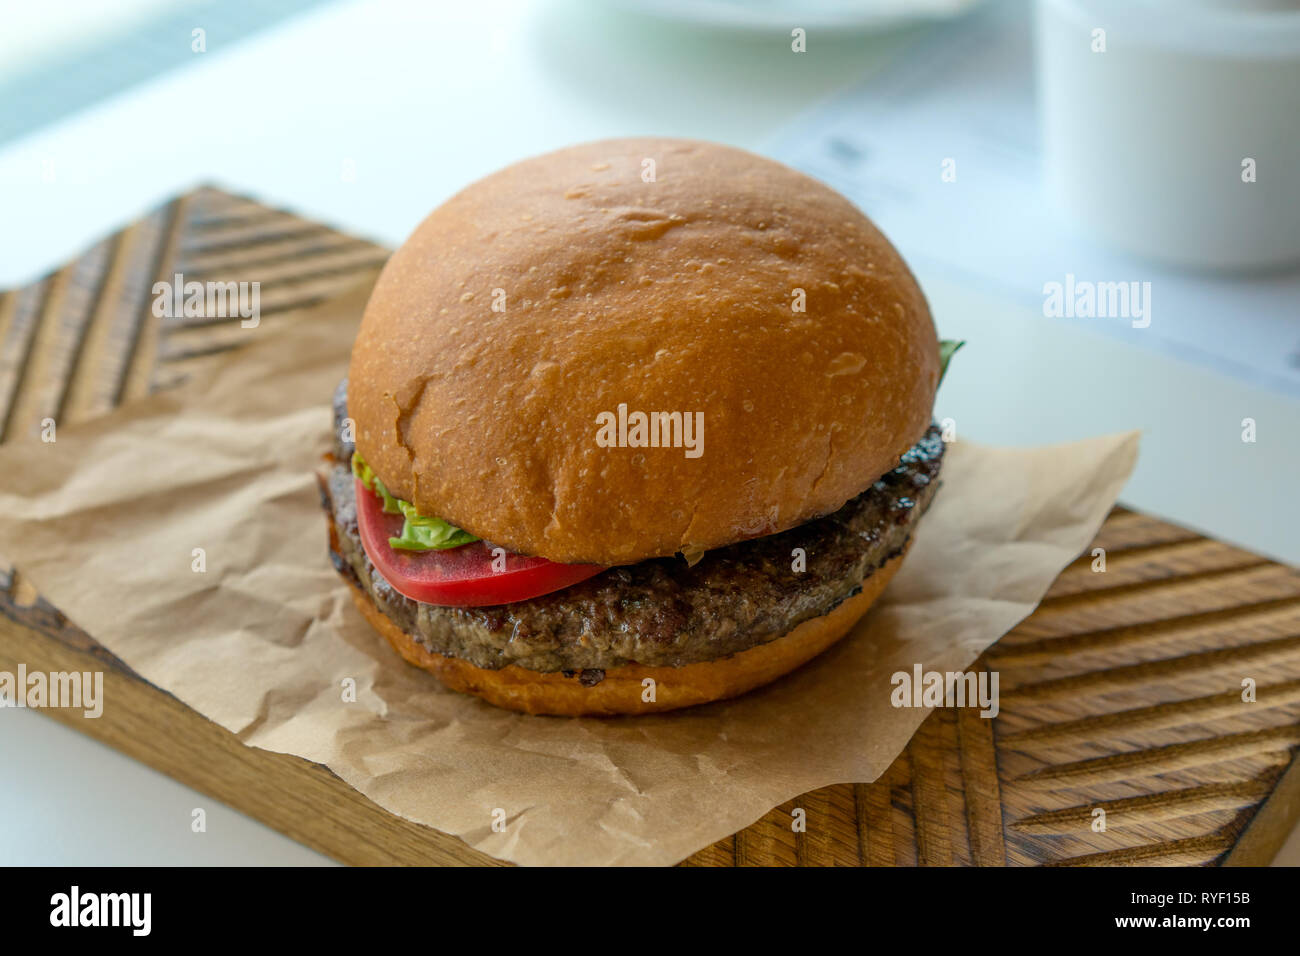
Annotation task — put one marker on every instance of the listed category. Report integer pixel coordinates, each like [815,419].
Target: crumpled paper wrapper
[105,522]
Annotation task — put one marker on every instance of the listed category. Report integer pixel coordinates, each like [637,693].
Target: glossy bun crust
[665,276]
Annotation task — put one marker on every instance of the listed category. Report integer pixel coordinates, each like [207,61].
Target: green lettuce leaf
[947,349]
[419,532]
[422,534]
[361,470]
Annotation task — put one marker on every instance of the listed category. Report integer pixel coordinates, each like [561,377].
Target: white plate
[784,15]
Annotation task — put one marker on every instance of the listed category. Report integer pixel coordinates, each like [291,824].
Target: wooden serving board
[1122,692]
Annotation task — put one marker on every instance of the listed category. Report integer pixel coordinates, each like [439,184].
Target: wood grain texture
[301,799]
[1121,693]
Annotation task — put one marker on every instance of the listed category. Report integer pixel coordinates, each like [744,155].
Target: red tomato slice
[456,577]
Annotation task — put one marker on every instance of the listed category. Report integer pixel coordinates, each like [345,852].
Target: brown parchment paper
[105,521]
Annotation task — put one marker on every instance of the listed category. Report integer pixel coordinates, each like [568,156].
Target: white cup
[1171,128]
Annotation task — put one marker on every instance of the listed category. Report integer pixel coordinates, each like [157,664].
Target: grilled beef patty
[657,612]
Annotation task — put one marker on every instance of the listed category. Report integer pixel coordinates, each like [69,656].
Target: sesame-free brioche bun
[659,275]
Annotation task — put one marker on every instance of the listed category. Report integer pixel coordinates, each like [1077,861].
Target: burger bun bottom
[625,689]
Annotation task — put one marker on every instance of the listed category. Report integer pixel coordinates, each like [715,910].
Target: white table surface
[422,98]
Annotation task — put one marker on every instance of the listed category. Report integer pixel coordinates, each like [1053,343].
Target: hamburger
[632,426]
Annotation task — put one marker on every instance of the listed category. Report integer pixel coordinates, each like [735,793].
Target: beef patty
[658,612]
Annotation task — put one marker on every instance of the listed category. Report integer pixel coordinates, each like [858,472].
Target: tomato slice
[456,577]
